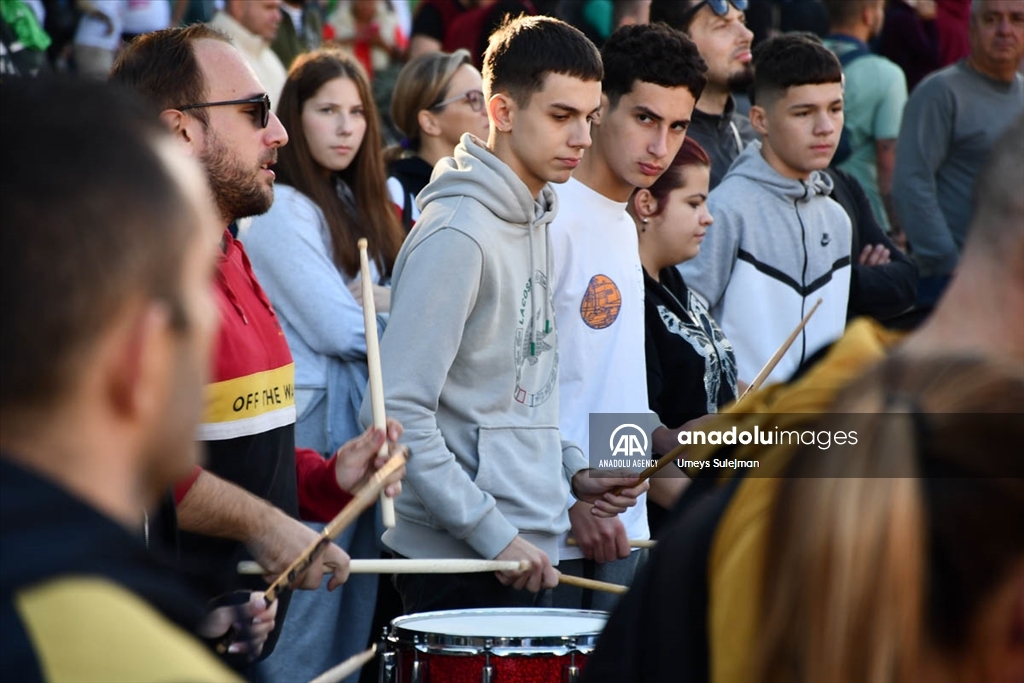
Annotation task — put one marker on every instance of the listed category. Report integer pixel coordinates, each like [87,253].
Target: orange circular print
[601,302]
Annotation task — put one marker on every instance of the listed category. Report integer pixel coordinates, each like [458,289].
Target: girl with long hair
[331,193]
[438,98]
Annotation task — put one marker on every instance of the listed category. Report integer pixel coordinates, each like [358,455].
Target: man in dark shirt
[718,28]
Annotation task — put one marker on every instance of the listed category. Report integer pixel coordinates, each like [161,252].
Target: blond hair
[869,555]
[421,84]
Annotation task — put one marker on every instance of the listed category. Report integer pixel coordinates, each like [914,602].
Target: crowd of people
[573,209]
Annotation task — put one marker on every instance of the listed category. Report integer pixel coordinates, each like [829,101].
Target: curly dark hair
[790,60]
[651,53]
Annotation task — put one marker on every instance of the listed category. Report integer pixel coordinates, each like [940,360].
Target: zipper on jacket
[803,277]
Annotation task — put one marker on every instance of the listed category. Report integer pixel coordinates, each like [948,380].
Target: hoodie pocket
[522,468]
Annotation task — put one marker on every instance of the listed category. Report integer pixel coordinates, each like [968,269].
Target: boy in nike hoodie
[780,242]
[470,354]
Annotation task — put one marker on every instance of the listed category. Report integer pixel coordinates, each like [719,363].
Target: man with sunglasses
[256,483]
[719,30]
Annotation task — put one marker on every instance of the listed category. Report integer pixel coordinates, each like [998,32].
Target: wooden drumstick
[407,566]
[774,360]
[346,668]
[363,498]
[579,582]
[387,506]
[633,542]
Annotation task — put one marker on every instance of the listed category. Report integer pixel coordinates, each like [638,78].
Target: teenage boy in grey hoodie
[780,242]
[470,354]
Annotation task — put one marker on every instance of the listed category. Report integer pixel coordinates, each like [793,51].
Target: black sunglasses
[474,97]
[719,7]
[262,100]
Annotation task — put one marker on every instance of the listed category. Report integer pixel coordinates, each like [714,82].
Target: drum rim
[583,642]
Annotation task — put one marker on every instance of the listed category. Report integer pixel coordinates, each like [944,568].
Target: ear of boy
[502,109]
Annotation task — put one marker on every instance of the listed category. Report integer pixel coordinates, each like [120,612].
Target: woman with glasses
[331,192]
[437,98]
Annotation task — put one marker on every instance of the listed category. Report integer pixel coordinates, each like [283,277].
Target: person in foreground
[102,366]
[717,540]
[247,499]
[875,569]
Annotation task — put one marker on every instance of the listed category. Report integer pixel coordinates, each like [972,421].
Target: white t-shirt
[599,305]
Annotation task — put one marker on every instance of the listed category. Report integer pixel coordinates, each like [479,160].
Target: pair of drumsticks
[375,487]
[366,496]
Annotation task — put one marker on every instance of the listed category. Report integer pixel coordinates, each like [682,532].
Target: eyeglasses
[263,101]
[474,97]
[719,7]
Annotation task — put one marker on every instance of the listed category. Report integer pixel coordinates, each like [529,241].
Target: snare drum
[524,645]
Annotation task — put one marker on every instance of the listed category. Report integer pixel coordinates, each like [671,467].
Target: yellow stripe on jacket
[90,629]
[249,405]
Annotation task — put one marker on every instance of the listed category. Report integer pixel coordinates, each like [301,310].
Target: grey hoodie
[470,367]
[776,246]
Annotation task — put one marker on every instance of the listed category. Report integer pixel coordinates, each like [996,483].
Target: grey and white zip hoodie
[470,367]
[776,246]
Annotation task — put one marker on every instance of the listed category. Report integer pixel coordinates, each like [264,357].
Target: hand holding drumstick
[610,495]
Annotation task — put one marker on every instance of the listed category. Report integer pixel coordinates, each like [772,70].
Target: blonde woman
[437,98]
[901,557]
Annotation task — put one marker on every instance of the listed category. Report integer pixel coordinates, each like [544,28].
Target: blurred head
[213,103]
[797,104]
[628,12]
[672,214]
[997,36]
[261,17]
[995,238]
[542,82]
[856,16]
[720,33]
[654,76]
[901,558]
[108,247]
[439,96]
[364,10]
[328,109]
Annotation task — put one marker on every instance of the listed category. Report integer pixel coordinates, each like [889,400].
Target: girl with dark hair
[304,251]
[691,368]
